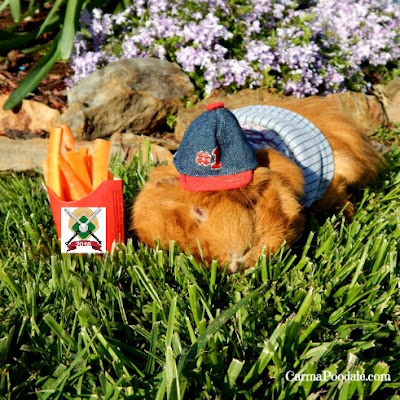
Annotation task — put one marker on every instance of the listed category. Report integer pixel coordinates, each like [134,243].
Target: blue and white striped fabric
[297,138]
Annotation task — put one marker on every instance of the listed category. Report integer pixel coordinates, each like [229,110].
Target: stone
[25,155]
[126,96]
[22,155]
[389,95]
[32,118]
[365,110]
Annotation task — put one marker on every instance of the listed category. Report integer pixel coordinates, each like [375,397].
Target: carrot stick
[83,152]
[76,162]
[76,188]
[54,173]
[89,162]
[66,189]
[101,153]
[68,138]
[110,176]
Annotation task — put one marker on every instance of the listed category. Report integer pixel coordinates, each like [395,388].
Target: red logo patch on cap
[217,164]
[214,106]
[203,158]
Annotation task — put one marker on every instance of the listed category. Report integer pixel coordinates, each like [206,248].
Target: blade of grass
[171,375]
[171,323]
[60,332]
[5,343]
[214,327]
[234,370]
[60,381]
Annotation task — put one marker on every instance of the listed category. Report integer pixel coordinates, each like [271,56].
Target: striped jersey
[297,138]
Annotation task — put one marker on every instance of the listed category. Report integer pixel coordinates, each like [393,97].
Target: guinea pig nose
[235,263]
[233,266]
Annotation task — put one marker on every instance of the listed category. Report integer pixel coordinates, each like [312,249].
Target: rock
[33,117]
[389,95]
[366,111]
[24,155]
[130,95]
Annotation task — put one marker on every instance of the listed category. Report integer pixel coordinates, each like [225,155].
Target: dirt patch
[15,65]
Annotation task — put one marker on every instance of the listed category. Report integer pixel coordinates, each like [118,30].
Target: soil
[15,65]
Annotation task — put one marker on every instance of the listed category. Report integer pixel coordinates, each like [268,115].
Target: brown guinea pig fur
[236,226]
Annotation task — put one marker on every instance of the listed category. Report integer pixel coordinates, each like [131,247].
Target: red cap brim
[214,183]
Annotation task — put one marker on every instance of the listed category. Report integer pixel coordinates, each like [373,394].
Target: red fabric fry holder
[106,201]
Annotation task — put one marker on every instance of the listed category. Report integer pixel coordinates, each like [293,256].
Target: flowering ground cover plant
[300,47]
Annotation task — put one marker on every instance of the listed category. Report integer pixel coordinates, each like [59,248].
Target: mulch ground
[15,66]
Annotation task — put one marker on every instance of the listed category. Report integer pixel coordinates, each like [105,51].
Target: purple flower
[80,45]
[86,64]
[317,49]
[260,53]
[160,52]
[85,18]
[129,48]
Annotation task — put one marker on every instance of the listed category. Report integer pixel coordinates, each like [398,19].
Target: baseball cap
[214,153]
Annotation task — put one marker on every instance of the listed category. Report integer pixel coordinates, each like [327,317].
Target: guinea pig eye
[199,214]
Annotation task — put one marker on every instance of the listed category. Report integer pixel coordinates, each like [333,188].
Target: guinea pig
[235,226]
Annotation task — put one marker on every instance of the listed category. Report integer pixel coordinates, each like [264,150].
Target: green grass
[153,324]
[386,136]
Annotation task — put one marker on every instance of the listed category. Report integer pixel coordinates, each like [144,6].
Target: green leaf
[51,17]
[10,41]
[33,79]
[68,32]
[16,40]
[15,6]
[4,5]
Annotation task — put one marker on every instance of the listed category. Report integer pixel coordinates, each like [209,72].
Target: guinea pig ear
[167,181]
[165,175]
[199,214]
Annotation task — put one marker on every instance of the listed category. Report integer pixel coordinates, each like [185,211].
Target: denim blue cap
[214,153]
